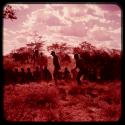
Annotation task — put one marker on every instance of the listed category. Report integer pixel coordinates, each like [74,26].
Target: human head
[22,69]
[66,68]
[76,56]
[52,53]
[41,54]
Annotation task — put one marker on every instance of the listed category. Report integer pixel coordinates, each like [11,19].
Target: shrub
[8,63]
[46,96]
[112,113]
[74,90]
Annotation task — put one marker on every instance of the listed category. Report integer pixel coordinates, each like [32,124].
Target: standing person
[55,61]
[56,66]
[16,75]
[74,74]
[42,60]
[28,75]
[81,66]
[66,75]
[47,74]
[35,56]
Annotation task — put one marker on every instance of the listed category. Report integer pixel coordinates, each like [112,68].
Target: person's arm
[75,67]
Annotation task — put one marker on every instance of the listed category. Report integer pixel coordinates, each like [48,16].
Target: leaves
[9,12]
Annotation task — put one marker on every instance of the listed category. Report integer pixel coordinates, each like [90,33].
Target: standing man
[47,74]
[16,75]
[28,75]
[66,75]
[56,66]
[81,66]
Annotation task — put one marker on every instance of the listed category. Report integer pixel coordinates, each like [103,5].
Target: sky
[99,24]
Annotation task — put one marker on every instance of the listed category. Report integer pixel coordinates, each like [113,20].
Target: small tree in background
[54,47]
[62,50]
[36,41]
[77,50]
[87,46]
[9,12]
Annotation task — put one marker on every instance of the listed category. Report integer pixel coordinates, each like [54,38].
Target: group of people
[43,73]
[81,65]
[57,75]
[23,76]
[40,73]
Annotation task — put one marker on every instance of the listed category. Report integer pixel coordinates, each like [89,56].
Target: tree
[62,50]
[65,48]
[9,12]
[77,50]
[53,47]
[86,46]
[59,48]
[21,50]
[36,41]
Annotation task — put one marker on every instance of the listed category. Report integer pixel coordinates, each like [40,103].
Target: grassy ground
[64,102]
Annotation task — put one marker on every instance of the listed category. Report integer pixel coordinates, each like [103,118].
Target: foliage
[9,63]
[42,102]
[9,12]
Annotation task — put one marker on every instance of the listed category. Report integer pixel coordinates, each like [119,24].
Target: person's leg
[78,77]
[55,76]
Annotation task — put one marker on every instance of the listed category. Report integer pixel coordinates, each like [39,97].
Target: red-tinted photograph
[62,62]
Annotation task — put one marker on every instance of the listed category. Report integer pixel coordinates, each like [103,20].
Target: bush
[46,96]
[74,90]
[112,113]
[8,63]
